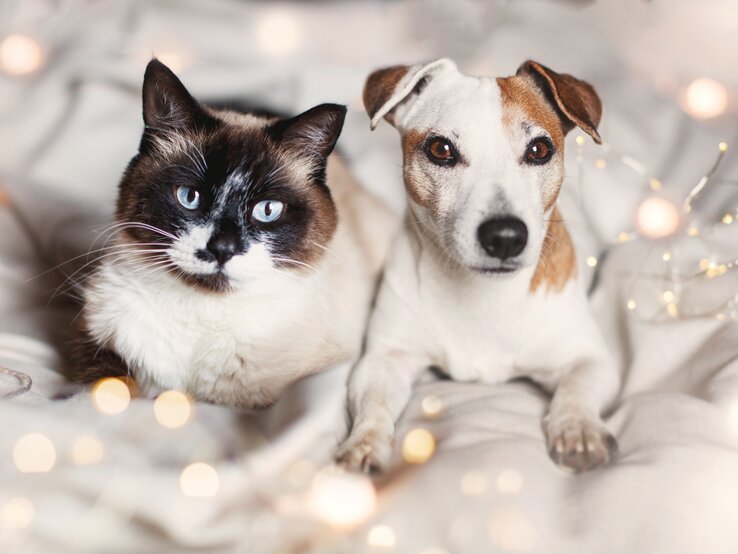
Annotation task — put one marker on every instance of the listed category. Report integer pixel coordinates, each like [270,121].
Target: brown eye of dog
[539,151]
[440,151]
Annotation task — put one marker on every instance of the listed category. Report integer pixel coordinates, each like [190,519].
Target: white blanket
[66,134]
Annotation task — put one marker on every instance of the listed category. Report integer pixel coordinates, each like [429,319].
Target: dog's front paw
[579,443]
[367,451]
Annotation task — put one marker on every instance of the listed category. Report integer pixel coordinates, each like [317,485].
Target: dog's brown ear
[576,100]
[385,89]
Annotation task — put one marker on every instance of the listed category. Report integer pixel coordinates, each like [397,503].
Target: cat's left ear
[166,102]
[313,133]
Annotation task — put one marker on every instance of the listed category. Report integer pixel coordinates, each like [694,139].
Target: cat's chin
[215,282]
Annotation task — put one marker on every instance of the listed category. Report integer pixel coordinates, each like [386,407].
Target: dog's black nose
[222,247]
[503,237]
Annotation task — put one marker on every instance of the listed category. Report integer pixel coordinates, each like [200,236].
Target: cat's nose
[223,247]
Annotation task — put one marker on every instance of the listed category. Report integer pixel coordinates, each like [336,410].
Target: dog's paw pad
[368,453]
[580,444]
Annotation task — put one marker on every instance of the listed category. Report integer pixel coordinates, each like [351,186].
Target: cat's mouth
[212,282]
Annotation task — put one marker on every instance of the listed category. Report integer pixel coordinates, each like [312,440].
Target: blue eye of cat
[267,211]
[189,197]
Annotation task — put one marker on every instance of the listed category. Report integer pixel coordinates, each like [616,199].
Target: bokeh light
[278,32]
[381,536]
[172,409]
[705,98]
[199,480]
[432,406]
[87,450]
[509,481]
[512,532]
[657,218]
[418,446]
[111,396]
[474,483]
[342,499]
[20,55]
[17,513]
[34,453]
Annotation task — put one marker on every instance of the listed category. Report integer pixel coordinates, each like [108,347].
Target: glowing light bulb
[34,453]
[278,32]
[20,55]
[632,304]
[418,446]
[381,536]
[172,409]
[16,514]
[591,261]
[87,450]
[111,396]
[705,98]
[199,480]
[657,218]
[342,499]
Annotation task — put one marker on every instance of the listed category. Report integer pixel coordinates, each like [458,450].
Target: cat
[244,256]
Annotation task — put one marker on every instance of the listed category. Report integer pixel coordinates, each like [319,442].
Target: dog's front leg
[379,389]
[576,435]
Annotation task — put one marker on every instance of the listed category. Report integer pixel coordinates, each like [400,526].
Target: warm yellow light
[474,483]
[623,236]
[728,219]
[172,409]
[631,304]
[591,261]
[432,406]
[655,184]
[20,55]
[34,453]
[580,140]
[418,446]
[510,482]
[342,499]
[87,450]
[672,310]
[381,536]
[723,146]
[600,163]
[666,256]
[16,514]
[668,296]
[705,98]
[111,396]
[278,32]
[511,531]
[199,480]
[693,232]
[704,264]
[657,218]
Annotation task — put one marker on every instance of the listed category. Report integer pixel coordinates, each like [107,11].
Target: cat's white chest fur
[238,348]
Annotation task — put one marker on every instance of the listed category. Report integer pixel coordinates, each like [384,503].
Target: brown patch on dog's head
[234,161]
[380,85]
[557,264]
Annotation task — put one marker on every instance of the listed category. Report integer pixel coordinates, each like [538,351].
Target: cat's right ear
[166,102]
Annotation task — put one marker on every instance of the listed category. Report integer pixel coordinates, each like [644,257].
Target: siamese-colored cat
[245,257]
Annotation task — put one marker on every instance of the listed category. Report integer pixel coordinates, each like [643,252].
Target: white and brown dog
[482,280]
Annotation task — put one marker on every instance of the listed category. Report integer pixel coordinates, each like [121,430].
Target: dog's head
[483,158]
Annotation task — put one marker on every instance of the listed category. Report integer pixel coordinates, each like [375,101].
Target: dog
[482,279]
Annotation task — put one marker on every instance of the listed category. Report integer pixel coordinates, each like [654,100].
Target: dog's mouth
[498,270]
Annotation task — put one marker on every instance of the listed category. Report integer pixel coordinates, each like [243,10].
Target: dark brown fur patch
[380,85]
[557,264]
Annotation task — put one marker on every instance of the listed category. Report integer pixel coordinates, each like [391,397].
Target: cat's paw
[579,443]
[365,451]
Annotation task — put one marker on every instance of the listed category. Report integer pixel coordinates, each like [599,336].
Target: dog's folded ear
[576,101]
[386,89]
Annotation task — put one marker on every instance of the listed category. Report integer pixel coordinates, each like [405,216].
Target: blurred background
[70,119]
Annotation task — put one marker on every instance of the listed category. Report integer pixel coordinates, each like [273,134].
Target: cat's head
[220,198]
